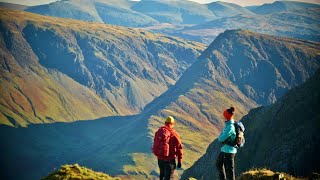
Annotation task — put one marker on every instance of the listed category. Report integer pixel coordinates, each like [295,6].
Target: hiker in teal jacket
[225,160]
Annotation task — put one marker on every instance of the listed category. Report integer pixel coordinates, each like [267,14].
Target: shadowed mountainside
[106,145]
[292,123]
[110,70]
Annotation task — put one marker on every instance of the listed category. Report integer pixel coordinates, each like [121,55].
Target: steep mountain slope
[280,6]
[303,24]
[115,12]
[122,145]
[196,101]
[33,94]
[292,123]
[263,66]
[127,68]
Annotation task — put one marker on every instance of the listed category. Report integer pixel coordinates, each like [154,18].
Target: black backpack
[239,140]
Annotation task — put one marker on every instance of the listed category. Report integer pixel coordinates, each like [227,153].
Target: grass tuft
[75,171]
[266,174]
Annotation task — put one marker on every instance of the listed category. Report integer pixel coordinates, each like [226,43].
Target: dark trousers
[166,169]
[225,166]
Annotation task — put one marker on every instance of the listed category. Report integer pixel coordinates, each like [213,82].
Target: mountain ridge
[114,62]
[111,12]
[280,6]
[191,20]
[220,9]
[286,74]
[295,24]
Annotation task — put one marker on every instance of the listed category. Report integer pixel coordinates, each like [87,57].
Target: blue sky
[239,2]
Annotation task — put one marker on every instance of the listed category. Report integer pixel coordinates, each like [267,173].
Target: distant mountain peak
[280,6]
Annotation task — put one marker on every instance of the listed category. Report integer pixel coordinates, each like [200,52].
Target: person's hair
[231,110]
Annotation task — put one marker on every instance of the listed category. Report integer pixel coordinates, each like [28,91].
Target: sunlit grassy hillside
[57,69]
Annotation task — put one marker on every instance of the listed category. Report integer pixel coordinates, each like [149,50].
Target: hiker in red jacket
[167,146]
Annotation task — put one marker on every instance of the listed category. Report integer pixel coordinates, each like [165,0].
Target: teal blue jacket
[228,131]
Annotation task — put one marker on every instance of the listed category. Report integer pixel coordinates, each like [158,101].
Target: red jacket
[175,146]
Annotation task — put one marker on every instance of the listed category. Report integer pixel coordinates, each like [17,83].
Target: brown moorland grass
[266,174]
[77,172]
